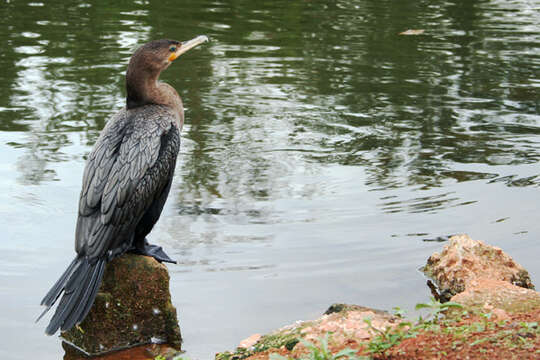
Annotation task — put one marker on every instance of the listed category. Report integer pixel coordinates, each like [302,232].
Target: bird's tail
[80,283]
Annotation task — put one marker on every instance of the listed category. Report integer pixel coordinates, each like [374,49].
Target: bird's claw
[154,251]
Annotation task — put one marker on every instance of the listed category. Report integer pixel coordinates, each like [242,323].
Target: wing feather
[123,175]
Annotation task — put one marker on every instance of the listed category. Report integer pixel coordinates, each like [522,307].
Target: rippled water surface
[320,149]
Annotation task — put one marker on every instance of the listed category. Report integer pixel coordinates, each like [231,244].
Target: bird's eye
[172,49]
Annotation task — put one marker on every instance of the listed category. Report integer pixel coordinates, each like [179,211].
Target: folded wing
[127,170]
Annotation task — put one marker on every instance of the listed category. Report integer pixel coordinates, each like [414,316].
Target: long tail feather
[57,288]
[92,294]
[79,283]
[52,295]
[93,281]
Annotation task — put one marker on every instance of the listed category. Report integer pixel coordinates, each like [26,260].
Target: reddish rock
[465,260]
[345,323]
[348,324]
[498,297]
[132,308]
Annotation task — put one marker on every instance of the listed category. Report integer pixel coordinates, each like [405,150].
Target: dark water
[320,149]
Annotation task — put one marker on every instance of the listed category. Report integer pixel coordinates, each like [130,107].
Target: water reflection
[346,91]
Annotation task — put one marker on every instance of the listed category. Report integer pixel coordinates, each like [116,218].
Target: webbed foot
[154,251]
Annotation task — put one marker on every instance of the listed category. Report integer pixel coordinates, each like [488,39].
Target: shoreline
[483,294]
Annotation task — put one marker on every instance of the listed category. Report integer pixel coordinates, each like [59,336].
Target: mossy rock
[288,337]
[133,307]
[342,308]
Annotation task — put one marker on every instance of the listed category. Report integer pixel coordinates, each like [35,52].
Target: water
[320,149]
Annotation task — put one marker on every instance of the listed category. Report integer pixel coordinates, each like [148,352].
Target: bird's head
[157,55]
[148,62]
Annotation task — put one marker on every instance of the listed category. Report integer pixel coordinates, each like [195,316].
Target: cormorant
[126,181]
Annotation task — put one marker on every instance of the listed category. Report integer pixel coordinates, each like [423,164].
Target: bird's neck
[142,89]
[146,90]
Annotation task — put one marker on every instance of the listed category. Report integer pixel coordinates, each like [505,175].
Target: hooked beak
[187,45]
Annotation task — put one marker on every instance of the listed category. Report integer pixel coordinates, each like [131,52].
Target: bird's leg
[145,248]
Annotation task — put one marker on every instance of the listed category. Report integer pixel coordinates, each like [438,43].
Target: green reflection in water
[331,81]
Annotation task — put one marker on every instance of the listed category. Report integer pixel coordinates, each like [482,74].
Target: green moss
[343,308]
[275,341]
[240,354]
[286,338]
[524,280]
[124,313]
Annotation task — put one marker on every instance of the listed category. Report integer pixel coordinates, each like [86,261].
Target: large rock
[133,307]
[345,323]
[464,261]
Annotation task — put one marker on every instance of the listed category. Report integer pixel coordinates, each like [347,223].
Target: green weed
[322,352]
[392,336]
